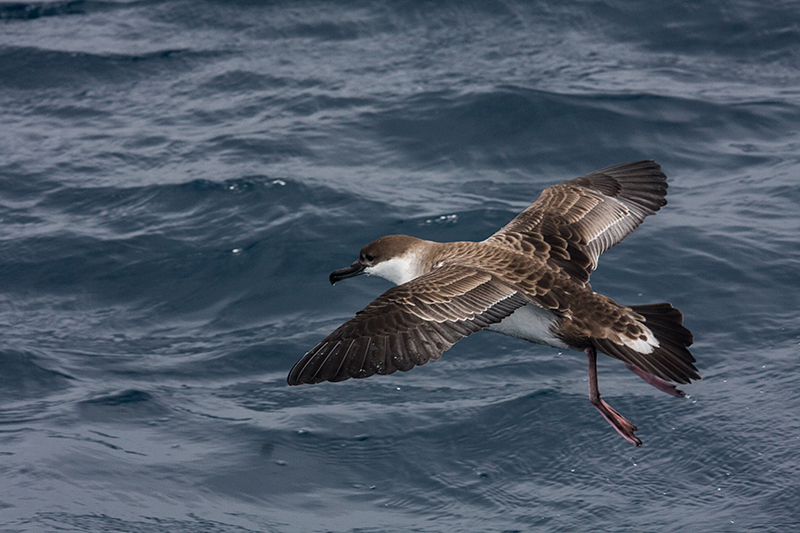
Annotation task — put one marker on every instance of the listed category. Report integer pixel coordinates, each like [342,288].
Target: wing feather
[409,325]
[573,223]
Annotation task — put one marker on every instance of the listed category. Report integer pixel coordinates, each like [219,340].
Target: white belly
[531,323]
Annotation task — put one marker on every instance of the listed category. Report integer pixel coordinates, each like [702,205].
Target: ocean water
[178,178]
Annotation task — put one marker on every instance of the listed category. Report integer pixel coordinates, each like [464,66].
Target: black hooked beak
[353,270]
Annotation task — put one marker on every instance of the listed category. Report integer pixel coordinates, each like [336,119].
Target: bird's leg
[618,421]
[657,382]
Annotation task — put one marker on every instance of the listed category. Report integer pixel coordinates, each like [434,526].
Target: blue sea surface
[178,179]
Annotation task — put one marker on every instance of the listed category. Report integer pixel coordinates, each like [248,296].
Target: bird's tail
[671,359]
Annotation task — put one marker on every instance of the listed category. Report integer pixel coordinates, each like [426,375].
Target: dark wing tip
[338,358]
[639,184]
[297,376]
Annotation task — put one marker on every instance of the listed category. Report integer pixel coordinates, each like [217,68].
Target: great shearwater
[529,280]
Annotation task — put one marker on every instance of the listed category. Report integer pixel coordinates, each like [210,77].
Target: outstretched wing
[410,324]
[572,223]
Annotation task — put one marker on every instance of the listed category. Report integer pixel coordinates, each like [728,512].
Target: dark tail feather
[672,360]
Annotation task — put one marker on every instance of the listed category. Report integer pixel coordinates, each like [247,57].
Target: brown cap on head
[387,247]
[376,252]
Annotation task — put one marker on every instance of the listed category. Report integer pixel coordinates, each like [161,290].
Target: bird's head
[397,258]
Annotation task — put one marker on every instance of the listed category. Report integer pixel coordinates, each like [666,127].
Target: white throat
[398,270]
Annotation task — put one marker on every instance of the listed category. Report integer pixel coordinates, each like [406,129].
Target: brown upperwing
[572,223]
[410,324]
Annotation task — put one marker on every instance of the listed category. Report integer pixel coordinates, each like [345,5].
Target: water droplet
[279,182]
[236,250]
[280,463]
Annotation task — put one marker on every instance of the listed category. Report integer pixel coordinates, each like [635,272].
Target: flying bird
[529,280]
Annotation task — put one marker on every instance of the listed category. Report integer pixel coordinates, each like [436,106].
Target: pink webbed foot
[618,422]
[657,382]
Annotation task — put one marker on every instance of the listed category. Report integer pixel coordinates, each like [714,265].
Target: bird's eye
[369,257]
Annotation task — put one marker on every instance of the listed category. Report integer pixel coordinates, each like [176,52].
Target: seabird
[529,280]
